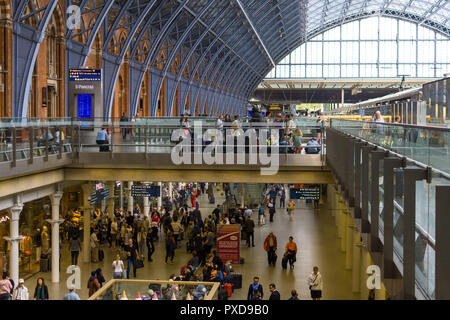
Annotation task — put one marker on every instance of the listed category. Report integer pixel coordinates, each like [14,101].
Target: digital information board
[145,191]
[305,193]
[84,106]
[85,74]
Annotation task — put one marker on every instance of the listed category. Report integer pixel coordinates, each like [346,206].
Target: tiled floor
[315,234]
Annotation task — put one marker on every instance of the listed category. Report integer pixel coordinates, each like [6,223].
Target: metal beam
[255,32]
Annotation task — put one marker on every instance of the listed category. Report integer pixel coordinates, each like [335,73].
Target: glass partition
[118,289]
[427,145]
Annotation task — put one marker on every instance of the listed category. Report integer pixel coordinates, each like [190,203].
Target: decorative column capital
[56,198]
[13,239]
[15,211]
[57,221]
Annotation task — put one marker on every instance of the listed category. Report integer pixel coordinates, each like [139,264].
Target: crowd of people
[178,223]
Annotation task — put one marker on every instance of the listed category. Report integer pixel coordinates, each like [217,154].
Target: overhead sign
[99,195]
[305,193]
[145,191]
[85,74]
[228,242]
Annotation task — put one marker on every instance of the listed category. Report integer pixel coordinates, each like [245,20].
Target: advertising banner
[228,242]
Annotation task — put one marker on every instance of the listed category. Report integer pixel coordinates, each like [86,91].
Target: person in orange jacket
[270,245]
[291,251]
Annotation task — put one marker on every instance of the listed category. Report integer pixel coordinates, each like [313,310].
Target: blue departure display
[84,106]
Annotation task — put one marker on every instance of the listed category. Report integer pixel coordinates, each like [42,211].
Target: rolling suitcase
[44,265]
[101,255]
[284,262]
[237,280]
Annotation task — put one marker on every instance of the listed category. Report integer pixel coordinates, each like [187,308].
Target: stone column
[55,222]
[110,200]
[130,198]
[14,240]
[121,195]
[170,190]
[86,223]
[160,196]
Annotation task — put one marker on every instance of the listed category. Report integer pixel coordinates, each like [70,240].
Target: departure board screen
[85,75]
[145,191]
[305,193]
[84,106]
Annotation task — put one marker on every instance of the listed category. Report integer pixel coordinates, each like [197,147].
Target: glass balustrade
[122,289]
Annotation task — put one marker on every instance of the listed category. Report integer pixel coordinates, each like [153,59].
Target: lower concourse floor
[314,231]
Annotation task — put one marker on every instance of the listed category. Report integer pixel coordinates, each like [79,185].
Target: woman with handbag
[315,284]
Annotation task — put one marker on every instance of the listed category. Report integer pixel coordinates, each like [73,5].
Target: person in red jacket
[270,245]
[193,198]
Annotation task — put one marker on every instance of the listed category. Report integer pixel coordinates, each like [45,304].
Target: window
[388,51]
[407,51]
[350,52]
[371,47]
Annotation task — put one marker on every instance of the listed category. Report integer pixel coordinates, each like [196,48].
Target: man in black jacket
[255,289]
[250,227]
[275,295]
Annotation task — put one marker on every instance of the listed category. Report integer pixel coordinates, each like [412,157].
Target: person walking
[132,254]
[75,248]
[150,246]
[294,295]
[114,231]
[6,287]
[21,292]
[255,289]
[93,284]
[275,295]
[94,246]
[290,209]
[272,209]
[41,290]
[270,245]
[117,268]
[141,241]
[72,295]
[282,198]
[170,246]
[123,125]
[315,284]
[291,251]
[250,229]
[262,215]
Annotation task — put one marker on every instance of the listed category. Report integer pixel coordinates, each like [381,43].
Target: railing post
[375,244]
[365,225]
[409,232]
[14,147]
[46,130]
[442,278]
[146,141]
[31,140]
[388,217]
[358,168]
[61,142]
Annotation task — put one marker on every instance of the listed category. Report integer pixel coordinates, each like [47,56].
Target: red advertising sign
[228,242]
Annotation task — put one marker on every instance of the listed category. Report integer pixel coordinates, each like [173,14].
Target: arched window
[374,47]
